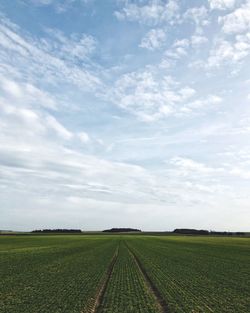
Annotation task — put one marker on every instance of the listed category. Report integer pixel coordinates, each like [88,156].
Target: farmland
[119,273]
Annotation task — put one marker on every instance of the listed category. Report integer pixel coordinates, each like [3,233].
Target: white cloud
[153,13]
[26,93]
[197,40]
[241,172]
[183,43]
[187,92]
[188,166]
[35,122]
[11,88]
[238,21]
[42,2]
[222,4]
[20,118]
[210,102]
[84,137]
[45,168]
[36,165]
[177,50]
[153,40]
[199,16]
[180,49]
[59,128]
[228,52]
[75,46]
[73,112]
[60,6]
[150,97]
[38,58]
[167,63]
[147,97]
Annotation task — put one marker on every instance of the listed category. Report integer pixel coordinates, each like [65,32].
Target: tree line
[57,230]
[187,231]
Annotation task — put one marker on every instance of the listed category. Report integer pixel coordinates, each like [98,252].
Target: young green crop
[66,274]
[127,291]
[197,274]
[52,273]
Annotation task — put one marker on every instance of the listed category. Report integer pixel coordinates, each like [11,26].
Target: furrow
[102,290]
[162,304]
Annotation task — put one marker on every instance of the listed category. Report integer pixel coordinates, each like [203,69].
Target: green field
[119,273]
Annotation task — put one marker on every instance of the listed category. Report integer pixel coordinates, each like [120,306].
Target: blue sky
[125,114]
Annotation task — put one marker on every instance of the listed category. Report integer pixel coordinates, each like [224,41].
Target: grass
[65,273]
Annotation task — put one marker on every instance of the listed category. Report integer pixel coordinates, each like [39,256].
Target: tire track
[162,304]
[102,290]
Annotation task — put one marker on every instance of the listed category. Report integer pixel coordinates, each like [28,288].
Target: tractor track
[161,303]
[99,297]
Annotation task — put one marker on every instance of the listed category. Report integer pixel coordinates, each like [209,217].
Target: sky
[123,113]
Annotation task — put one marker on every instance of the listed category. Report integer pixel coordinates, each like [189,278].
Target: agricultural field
[124,274]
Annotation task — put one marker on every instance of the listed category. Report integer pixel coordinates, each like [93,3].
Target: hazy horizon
[142,230]
[125,113]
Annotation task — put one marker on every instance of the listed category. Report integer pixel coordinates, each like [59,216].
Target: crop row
[67,274]
[201,277]
[55,278]
[127,291]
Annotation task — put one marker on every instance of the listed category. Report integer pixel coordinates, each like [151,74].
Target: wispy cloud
[154,39]
[51,59]
[222,4]
[60,6]
[152,13]
[198,16]
[228,52]
[237,21]
[144,112]
[147,97]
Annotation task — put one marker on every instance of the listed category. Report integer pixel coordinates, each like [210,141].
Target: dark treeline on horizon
[180,231]
[121,230]
[187,231]
[58,230]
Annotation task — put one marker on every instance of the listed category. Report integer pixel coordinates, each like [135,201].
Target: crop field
[124,274]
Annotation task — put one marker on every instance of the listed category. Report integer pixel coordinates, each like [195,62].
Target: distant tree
[58,230]
[223,233]
[187,231]
[239,233]
[121,230]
